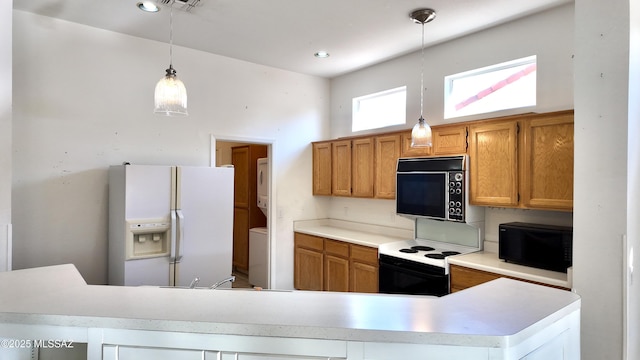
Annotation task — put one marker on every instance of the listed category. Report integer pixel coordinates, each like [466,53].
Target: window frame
[360,117]
[529,64]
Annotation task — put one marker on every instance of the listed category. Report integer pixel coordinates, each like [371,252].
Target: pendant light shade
[421,133]
[170,97]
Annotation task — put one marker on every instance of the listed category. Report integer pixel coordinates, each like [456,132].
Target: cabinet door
[462,278]
[308,262]
[450,140]
[362,167]
[241,238]
[113,352]
[308,272]
[493,165]
[363,269]
[548,162]
[241,161]
[322,168]
[386,160]
[364,277]
[341,168]
[336,273]
[336,265]
[408,151]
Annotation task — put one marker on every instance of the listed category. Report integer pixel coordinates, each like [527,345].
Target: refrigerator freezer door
[138,194]
[205,196]
[152,271]
[148,191]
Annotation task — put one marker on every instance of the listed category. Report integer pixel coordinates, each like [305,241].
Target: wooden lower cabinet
[336,265]
[363,269]
[331,265]
[461,278]
[308,262]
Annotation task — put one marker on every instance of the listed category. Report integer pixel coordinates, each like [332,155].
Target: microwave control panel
[456,195]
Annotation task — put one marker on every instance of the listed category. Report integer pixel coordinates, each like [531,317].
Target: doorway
[250,226]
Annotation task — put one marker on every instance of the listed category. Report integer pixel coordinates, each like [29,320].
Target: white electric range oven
[419,266]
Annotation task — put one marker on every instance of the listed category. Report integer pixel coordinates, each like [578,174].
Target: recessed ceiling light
[321,54]
[148,6]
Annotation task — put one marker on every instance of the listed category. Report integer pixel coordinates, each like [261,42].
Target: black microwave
[432,188]
[547,247]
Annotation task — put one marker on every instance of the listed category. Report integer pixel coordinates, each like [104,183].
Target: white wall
[529,36]
[632,299]
[602,155]
[83,100]
[5,131]
[507,42]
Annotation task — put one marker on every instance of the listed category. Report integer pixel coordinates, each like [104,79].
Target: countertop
[351,232]
[500,313]
[489,261]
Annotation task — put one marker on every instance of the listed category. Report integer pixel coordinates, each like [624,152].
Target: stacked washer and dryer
[259,237]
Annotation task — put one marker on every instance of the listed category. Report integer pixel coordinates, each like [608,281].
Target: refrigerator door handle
[180,238]
[172,256]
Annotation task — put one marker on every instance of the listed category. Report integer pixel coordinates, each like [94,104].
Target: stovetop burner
[449,253]
[408,251]
[416,248]
[422,248]
[424,251]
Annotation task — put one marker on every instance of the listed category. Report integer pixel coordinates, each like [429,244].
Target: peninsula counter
[502,319]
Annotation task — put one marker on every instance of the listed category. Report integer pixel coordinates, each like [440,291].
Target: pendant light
[170,96]
[421,133]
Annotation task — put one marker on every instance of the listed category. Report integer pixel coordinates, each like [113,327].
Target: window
[503,86]
[379,110]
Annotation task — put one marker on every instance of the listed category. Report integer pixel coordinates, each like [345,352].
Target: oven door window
[422,194]
[401,277]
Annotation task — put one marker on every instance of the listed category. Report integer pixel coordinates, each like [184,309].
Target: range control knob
[458,176]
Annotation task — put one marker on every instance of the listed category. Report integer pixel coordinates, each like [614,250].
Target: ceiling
[286,33]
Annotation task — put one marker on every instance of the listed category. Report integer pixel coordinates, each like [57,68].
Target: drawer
[462,278]
[309,241]
[337,248]
[364,254]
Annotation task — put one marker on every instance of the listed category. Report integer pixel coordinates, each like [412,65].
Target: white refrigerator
[170,224]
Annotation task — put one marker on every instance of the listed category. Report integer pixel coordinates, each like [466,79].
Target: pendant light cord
[171,35]
[422,75]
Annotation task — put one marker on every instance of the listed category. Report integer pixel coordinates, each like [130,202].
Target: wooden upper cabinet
[493,168]
[407,151]
[449,140]
[362,167]
[547,162]
[322,168]
[341,168]
[386,159]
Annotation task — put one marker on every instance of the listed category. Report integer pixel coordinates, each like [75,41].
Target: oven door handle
[397,266]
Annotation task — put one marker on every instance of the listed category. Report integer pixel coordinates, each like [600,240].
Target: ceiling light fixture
[321,54]
[421,133]
[170,96]
[148,6]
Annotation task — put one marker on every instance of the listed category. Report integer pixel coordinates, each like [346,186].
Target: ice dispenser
[147,238]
